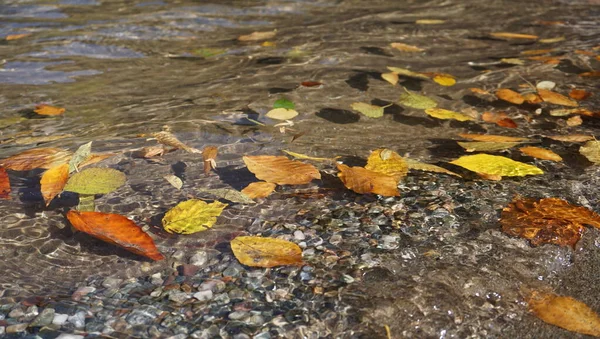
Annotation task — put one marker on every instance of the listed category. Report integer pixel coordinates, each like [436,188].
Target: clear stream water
[126,68]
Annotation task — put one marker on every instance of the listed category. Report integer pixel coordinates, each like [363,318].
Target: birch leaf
[486,146]
[82,153]
[174,180]
[408,73]
[492,138]
[496,165]
[259,189]
[540,153]
[95,181]
[556,98]
[421,166]
[53,182]
[510,96]
[266,252]
[281,114]
[362,181]
[445,114]
[415,100]
[387,162]
[390,77]
[281,170]
[192,216]
[372,111]
[405,47]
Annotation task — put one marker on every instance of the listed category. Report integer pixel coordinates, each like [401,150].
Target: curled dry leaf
[209,155]
[115,229]
[362,181]
[540,153]
[405,48]
[574,121]
[266,252]
[565,312]
[579,94]
[390,77]
[508,35]
[496,165]
[556,98]
[421,166]
[255,36]
[281,170]
[96,181]
[36,158]
[591,150]
[492,138]
[547,221]
[4,184]
[192,216]
[259,189]
[44,109]
[510,96]
[167,138]
[571,138]
[532,98]
[445,114]
[387,162]
[53,181]
[408,73]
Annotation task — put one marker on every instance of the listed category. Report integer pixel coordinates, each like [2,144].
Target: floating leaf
[174,180]
[167,138]
[495,165]
[53,181]
[556,98]
[507,35]
[532,98]
[82,153]
[4,184]
[36,158]
[492,138]
[421,166]
[372,111]
[510,96]
[284,103]
[281,170]
[362,180]
[266,252]
[209,155]
[418,101]
[311,83]
[405,48]
[150,151]
[390,77]
[192,216]
[259,189]
[96,181]
[487,146]
[255,36]
[571,138]
[445,114]
[565,312]
[307,157]
[44,109]
[574,121]
[444,79]
[540,153]
[117,230]
[228,194]
[547,221]
[387,162]
[281,114]
[408,73]
[429,21]
[579,94]
[591,150]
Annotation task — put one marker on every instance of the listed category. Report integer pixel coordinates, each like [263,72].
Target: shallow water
[126,68]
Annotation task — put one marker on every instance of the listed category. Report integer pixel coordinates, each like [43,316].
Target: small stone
[299,235]
[16,328]
[255,320]
[82,291]
[30,313]
[204,295]
[2,330]
[16,313]
[69,336]
[44,318]
[111,282]
[241,336]
[222,298]
[94,327]
[156,279]
[78,319]
[60,319]
[262,335]
[188,270]
[178,296]
[238,315]
[157,292]
[178,336]
[232,271]
[199,259]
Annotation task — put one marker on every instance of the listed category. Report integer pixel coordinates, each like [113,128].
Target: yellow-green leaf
[591,150]
[387,162]
[372,111]
[266,252]
[422,166]
[82,153]
[192,216]
[485,146]
[390,77]
[415,100]
[281,114]
[445,114]
[496,165]
[95,181]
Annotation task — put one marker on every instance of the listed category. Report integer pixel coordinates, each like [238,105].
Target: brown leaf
[209,155]
[115,229]
[571,138]
[590,74]
[44,109]
[281,170]
[574,121]
[547,221]
[363,181]
[405,48]
[579,94]
[387,162]
[479,91]
[537,51]
[556,98]
[36,158]
[255,36]
[167,138]
[565,312]
[532,98]
[491,138]
[95,158]
[53,181]
[259,189]
[510,96]
[150,151]
[4,184]
[507,122]
[266,252]
[540,153]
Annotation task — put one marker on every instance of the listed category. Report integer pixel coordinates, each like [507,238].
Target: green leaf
[95,181]
[418,101]
[284,103]
[229,194]
[192,216]
[82,153]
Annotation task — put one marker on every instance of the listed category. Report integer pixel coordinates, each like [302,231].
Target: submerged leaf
[496,165]
[167,138]
[540,153]
[192,216]
[266,252]
[281,114]
[487,146]
[4,184]
[281,170]
[307,157]
[254,36]
[96,181]
[408,73]
[405,48]
[556,98]
[209,156]
[510,96]
[507,35]
[36,158]
[44,109]
[415,100]
[445,114]
[115,229]
[53,182]
[444,79]
[387,162]
[390,77]
[421,166]
[259,189]
[372,111]
[362,181]
[82,153]
[284,103]
[228,194]
[86,203]
[492,138]
[591,150]
[174,180]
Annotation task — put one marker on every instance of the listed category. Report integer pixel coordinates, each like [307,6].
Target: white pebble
[60,319]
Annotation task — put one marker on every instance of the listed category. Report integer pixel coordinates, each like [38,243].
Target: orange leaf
[117,230]
[507,35]
[4,184]
[44,109]
[53,181]
[590,74]
[571,138]
[537,51]
[36,158]
[259,189]
[16,36]
[311,83]
[405,48]
[266,252]
[362,181]
[507,122]
[550,60]
[209,154]
[510,96]
[556,98]
[547,221]
[574,121]
[95,158]
[491,138]
[532,98]
[281,170]
[579,94]
[255,36]
[479,91]
[565,312]
[540,153]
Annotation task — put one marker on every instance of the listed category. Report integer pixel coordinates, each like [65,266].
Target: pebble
[188,270]
[60,319]
[81,292]
[111,282]
[199,259]
[44,318]
[262,335]
[178,336]
[241,336]
[204,295]
[16,328]
[232,270]
[178,296]
[156,279]
[2,330]
[255,320]
[69,336]
[16,313]
[77,319]
[238,315]
[299,235]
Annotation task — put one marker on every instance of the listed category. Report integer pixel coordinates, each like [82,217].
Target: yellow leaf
[491,138]
[496,165]
[565,312]
[387,162]
[362,180]
[53,181]
[552,40]
[281,114]
[405,48]
[408,73]
[421,166]
[391,77]
[591,150]
[444,79]
[415,100]
[44,109]
[540,153]
[445,114]
[486,146]
[429,21]
[269,44]
[259,189]
[266,252]
[192,216]
[372,111]
[507,35]
[254,36]
[281,170]
[307,157]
